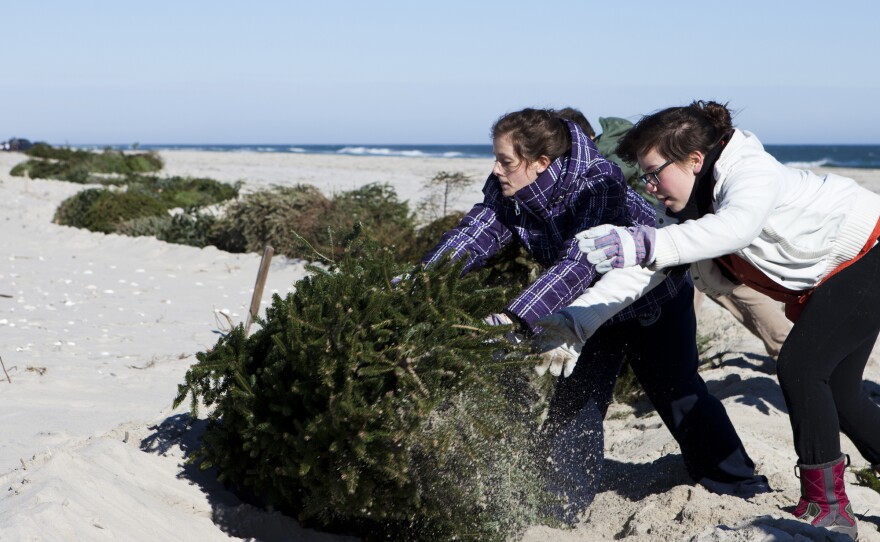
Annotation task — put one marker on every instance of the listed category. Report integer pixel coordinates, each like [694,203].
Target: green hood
[613,129]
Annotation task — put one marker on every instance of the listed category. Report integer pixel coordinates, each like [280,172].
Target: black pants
[663,355]
[823,360]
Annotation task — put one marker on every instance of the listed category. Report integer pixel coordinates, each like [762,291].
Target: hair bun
[718,114]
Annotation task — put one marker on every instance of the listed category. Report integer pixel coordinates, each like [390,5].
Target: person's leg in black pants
[662,351]
[822,362]
[571,445]
[593,379]
[820,372]
[859,416]
[663,356]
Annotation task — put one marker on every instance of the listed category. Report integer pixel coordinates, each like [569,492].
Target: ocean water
[811,156]
[412,151]
[801,156]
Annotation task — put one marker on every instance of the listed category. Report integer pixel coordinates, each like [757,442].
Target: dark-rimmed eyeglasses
[653,177]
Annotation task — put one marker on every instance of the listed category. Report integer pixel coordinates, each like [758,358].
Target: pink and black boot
[823,498]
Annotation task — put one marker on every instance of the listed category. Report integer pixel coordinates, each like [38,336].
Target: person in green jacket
[613,128]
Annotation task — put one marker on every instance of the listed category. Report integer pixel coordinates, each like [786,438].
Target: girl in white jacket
[804,239]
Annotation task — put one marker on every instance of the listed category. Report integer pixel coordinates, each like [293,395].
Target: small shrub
[19,170]
[40,169]
[77,166]
[627,388]
[139,210]
[299,221]
[183,192]
[142,162]
[44,150]
[189,228]
[270,217]
[441,192]
[704,344]
[513,265]
[103,210]
[868,477]
[383,217]
[145,226]
[428,236]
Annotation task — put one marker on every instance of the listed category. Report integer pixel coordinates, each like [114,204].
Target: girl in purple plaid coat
[548,183]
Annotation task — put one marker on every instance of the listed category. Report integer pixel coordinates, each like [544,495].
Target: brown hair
[575,116]
[534,133]
[675,132]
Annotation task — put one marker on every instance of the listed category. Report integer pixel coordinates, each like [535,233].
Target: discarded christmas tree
[387,408]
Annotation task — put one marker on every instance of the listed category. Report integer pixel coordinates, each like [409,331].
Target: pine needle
[868,477]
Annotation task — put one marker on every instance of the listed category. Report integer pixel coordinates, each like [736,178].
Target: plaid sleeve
[478,236]
[557,287]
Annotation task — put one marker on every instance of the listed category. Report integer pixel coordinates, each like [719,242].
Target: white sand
[100,329]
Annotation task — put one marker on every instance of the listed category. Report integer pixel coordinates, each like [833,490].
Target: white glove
[399,278]
[558,345]
[498,319]
[609,247]
[501,319]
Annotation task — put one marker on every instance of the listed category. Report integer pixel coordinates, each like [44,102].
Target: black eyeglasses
[653,177]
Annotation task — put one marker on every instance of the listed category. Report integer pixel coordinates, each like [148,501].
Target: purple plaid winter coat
[578,191]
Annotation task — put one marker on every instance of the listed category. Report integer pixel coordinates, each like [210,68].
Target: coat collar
[551,186]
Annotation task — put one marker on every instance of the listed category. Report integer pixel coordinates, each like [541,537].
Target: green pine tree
[392,409]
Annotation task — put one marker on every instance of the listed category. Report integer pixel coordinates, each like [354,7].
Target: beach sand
[96,331]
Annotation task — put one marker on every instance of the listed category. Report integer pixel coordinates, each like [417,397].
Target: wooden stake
[4,370]
[258,287]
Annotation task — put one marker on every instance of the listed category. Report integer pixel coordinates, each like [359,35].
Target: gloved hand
[498,319]
[558,345]
[610,246]
[501,319]
[399,278]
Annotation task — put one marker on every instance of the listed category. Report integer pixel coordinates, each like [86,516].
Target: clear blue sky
[409,72]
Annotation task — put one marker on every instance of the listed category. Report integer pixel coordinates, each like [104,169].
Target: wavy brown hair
[534,133]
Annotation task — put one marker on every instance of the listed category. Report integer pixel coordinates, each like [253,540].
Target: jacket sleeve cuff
[665,252]
[615,291]
[586,320]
